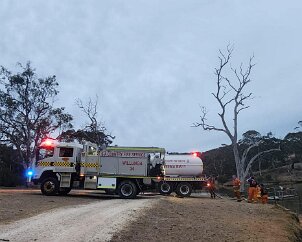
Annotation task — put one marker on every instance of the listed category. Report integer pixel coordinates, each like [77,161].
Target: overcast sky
[152,62]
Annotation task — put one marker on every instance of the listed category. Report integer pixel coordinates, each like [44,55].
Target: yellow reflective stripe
[89,165]
[112,176]
[184,179]
[43,163]
[61,163]
[54,163]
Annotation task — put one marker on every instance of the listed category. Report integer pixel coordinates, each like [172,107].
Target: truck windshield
[44,153]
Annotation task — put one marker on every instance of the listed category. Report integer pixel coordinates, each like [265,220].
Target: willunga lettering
[132,163]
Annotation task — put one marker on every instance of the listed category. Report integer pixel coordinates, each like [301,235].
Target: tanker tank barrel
[183,165]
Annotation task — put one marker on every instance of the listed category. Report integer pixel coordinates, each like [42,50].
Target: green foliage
[223,178]
[250,137]
[27,114]
[11,171]
[10,178]
[220,161]
[98,137]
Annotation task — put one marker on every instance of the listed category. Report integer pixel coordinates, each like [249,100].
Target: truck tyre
[127,189]
[64,191]
[165,188]
[50,186]
[184,189]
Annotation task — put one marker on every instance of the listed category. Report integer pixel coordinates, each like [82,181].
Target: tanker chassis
[125,171]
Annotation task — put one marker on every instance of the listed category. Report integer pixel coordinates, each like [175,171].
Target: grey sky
[152,62]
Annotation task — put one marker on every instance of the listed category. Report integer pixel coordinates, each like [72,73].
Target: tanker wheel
[165,188]
[184,189]
[64,191]
[50,186]
[127,189]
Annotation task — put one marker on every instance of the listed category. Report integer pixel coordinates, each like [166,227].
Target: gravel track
[97,221]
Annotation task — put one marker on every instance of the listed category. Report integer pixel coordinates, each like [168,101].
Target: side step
[90,182]
[65,179]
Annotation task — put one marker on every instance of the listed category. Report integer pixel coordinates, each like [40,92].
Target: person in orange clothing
[258,193]
[236,188]
[264,194]
[252,192]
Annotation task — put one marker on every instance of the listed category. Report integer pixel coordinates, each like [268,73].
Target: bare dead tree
[232,98]
[94,130]
[90,109]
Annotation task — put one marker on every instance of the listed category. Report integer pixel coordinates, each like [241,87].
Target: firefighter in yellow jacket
[236,188]
[252,192]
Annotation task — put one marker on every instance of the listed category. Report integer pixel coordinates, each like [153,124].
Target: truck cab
[58,161]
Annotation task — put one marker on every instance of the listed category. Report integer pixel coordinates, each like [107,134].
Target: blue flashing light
[29,173]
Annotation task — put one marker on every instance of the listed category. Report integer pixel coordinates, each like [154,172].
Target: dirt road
[16,204]
[216,220]
[91,216]
[96,221]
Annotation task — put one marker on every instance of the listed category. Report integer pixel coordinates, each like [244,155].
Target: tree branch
[203,123]
[248,167]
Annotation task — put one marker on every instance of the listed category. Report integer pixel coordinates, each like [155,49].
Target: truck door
[109,165]
[66,159]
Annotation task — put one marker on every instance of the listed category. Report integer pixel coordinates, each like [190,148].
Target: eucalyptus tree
[27,110]
[232,99]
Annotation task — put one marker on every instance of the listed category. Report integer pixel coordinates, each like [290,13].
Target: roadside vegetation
[29,114]
[283,166]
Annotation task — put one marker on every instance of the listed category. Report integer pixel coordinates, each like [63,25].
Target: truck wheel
[165,188]
[50,186]
[184,189]
[64,191]
[127,189]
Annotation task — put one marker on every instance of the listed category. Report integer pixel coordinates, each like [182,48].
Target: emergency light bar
[49,142]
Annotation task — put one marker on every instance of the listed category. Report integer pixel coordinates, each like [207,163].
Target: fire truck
[125,171]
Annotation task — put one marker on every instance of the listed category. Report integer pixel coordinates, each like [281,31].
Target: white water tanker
[182,165]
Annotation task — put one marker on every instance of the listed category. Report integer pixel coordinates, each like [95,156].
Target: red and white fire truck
[125,171]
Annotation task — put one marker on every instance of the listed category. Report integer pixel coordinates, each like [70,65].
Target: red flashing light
[48,142]
[198,154]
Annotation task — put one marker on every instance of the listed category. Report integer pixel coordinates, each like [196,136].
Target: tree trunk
[239,167]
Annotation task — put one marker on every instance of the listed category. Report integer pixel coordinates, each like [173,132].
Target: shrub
[10,179]
[268,177]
